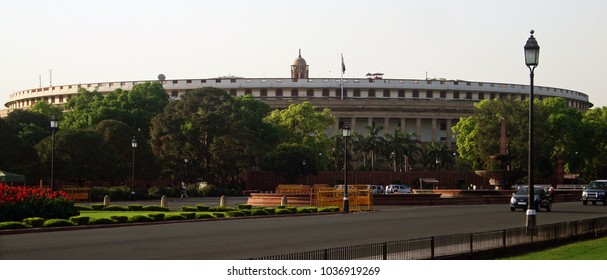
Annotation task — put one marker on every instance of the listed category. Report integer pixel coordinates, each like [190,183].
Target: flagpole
[342,76]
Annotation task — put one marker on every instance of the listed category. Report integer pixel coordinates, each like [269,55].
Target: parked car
[595,191]
[398,189]
[542,198]
[377,189]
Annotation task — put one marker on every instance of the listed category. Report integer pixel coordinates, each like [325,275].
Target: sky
[73,41]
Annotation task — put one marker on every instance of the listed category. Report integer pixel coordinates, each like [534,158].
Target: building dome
[299,61]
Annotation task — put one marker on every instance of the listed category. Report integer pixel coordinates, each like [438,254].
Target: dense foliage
[18,203]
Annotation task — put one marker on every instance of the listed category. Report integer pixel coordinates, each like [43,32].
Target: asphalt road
[246,238]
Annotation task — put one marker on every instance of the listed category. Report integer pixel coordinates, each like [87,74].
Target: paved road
[239,239]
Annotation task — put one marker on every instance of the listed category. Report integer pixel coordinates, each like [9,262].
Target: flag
[343,65]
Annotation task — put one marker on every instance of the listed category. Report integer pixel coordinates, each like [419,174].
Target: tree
[402,149]
[370,145]
[80,155]
[594,152]
[291,159]
[478,136]
[438,155]
[557,129]
[135,107]
[304,124]
[218,134]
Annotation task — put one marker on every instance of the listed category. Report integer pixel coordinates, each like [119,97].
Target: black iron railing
[458,245]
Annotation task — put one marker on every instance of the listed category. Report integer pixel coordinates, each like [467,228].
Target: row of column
[424,134]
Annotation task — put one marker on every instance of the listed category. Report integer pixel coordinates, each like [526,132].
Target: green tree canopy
[135,107]
[218,134]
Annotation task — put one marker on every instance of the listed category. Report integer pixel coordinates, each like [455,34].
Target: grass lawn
[595,249]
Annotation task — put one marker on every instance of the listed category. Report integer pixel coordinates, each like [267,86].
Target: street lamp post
[346,134]
[187,177]
[532,55]
[134,145]
[54,128]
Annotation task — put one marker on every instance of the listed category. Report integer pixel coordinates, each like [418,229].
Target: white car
[377,189]
[398,189]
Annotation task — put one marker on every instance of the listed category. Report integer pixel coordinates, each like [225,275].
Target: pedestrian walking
[184,190]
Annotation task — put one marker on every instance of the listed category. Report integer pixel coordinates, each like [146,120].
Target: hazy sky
[101,41]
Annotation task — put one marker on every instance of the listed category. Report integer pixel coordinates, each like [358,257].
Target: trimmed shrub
[219,214]
[174,217]
[222,209]
[155,208]
[245,206]
[135,207]
[58,223]
[204,216]
[329,209]
[80,220]
[270,211]
[97,207]
[189,208]
[202,208]
[189,215]
[83,208]
[34,222]
[235,214]
[307,210]
[120,219]
[13,225]
[247,212]
[115,208]
[259,212]
[157,216]
[140,219]
[101,221]
[283,211]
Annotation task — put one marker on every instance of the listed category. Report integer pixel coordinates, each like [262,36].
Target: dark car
[542,198]
[594,192]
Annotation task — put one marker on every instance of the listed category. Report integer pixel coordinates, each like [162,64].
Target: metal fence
[469,245]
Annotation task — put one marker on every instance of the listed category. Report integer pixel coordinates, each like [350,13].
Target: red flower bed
[18,203]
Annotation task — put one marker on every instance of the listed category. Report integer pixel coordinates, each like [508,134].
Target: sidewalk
[175,203]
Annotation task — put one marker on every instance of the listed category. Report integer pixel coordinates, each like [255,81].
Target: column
[418,129]
[433,130]
[449,133]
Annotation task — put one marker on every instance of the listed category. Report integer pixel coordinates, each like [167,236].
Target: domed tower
[299,68]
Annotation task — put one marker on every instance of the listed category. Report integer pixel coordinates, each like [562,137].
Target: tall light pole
[532,56]
[54,128]
[186,160]
[134,146]
[346,134]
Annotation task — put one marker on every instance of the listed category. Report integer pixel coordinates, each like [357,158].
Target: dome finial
[299,52]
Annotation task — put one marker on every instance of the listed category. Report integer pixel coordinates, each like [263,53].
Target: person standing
[184,189]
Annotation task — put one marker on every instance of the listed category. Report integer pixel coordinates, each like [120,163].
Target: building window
[325,92]
[188,81]
[263,92]
[232,92]
[415,93]
[456,95]
[386,93]
[202,81]
[294,92]
[356,92]
[443,126]
[429,94]
[174,94]
[481,95]
[492,96]
[443,94]
[468,95]
[279,92]
[371,93]
[401,93]
[310,93]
